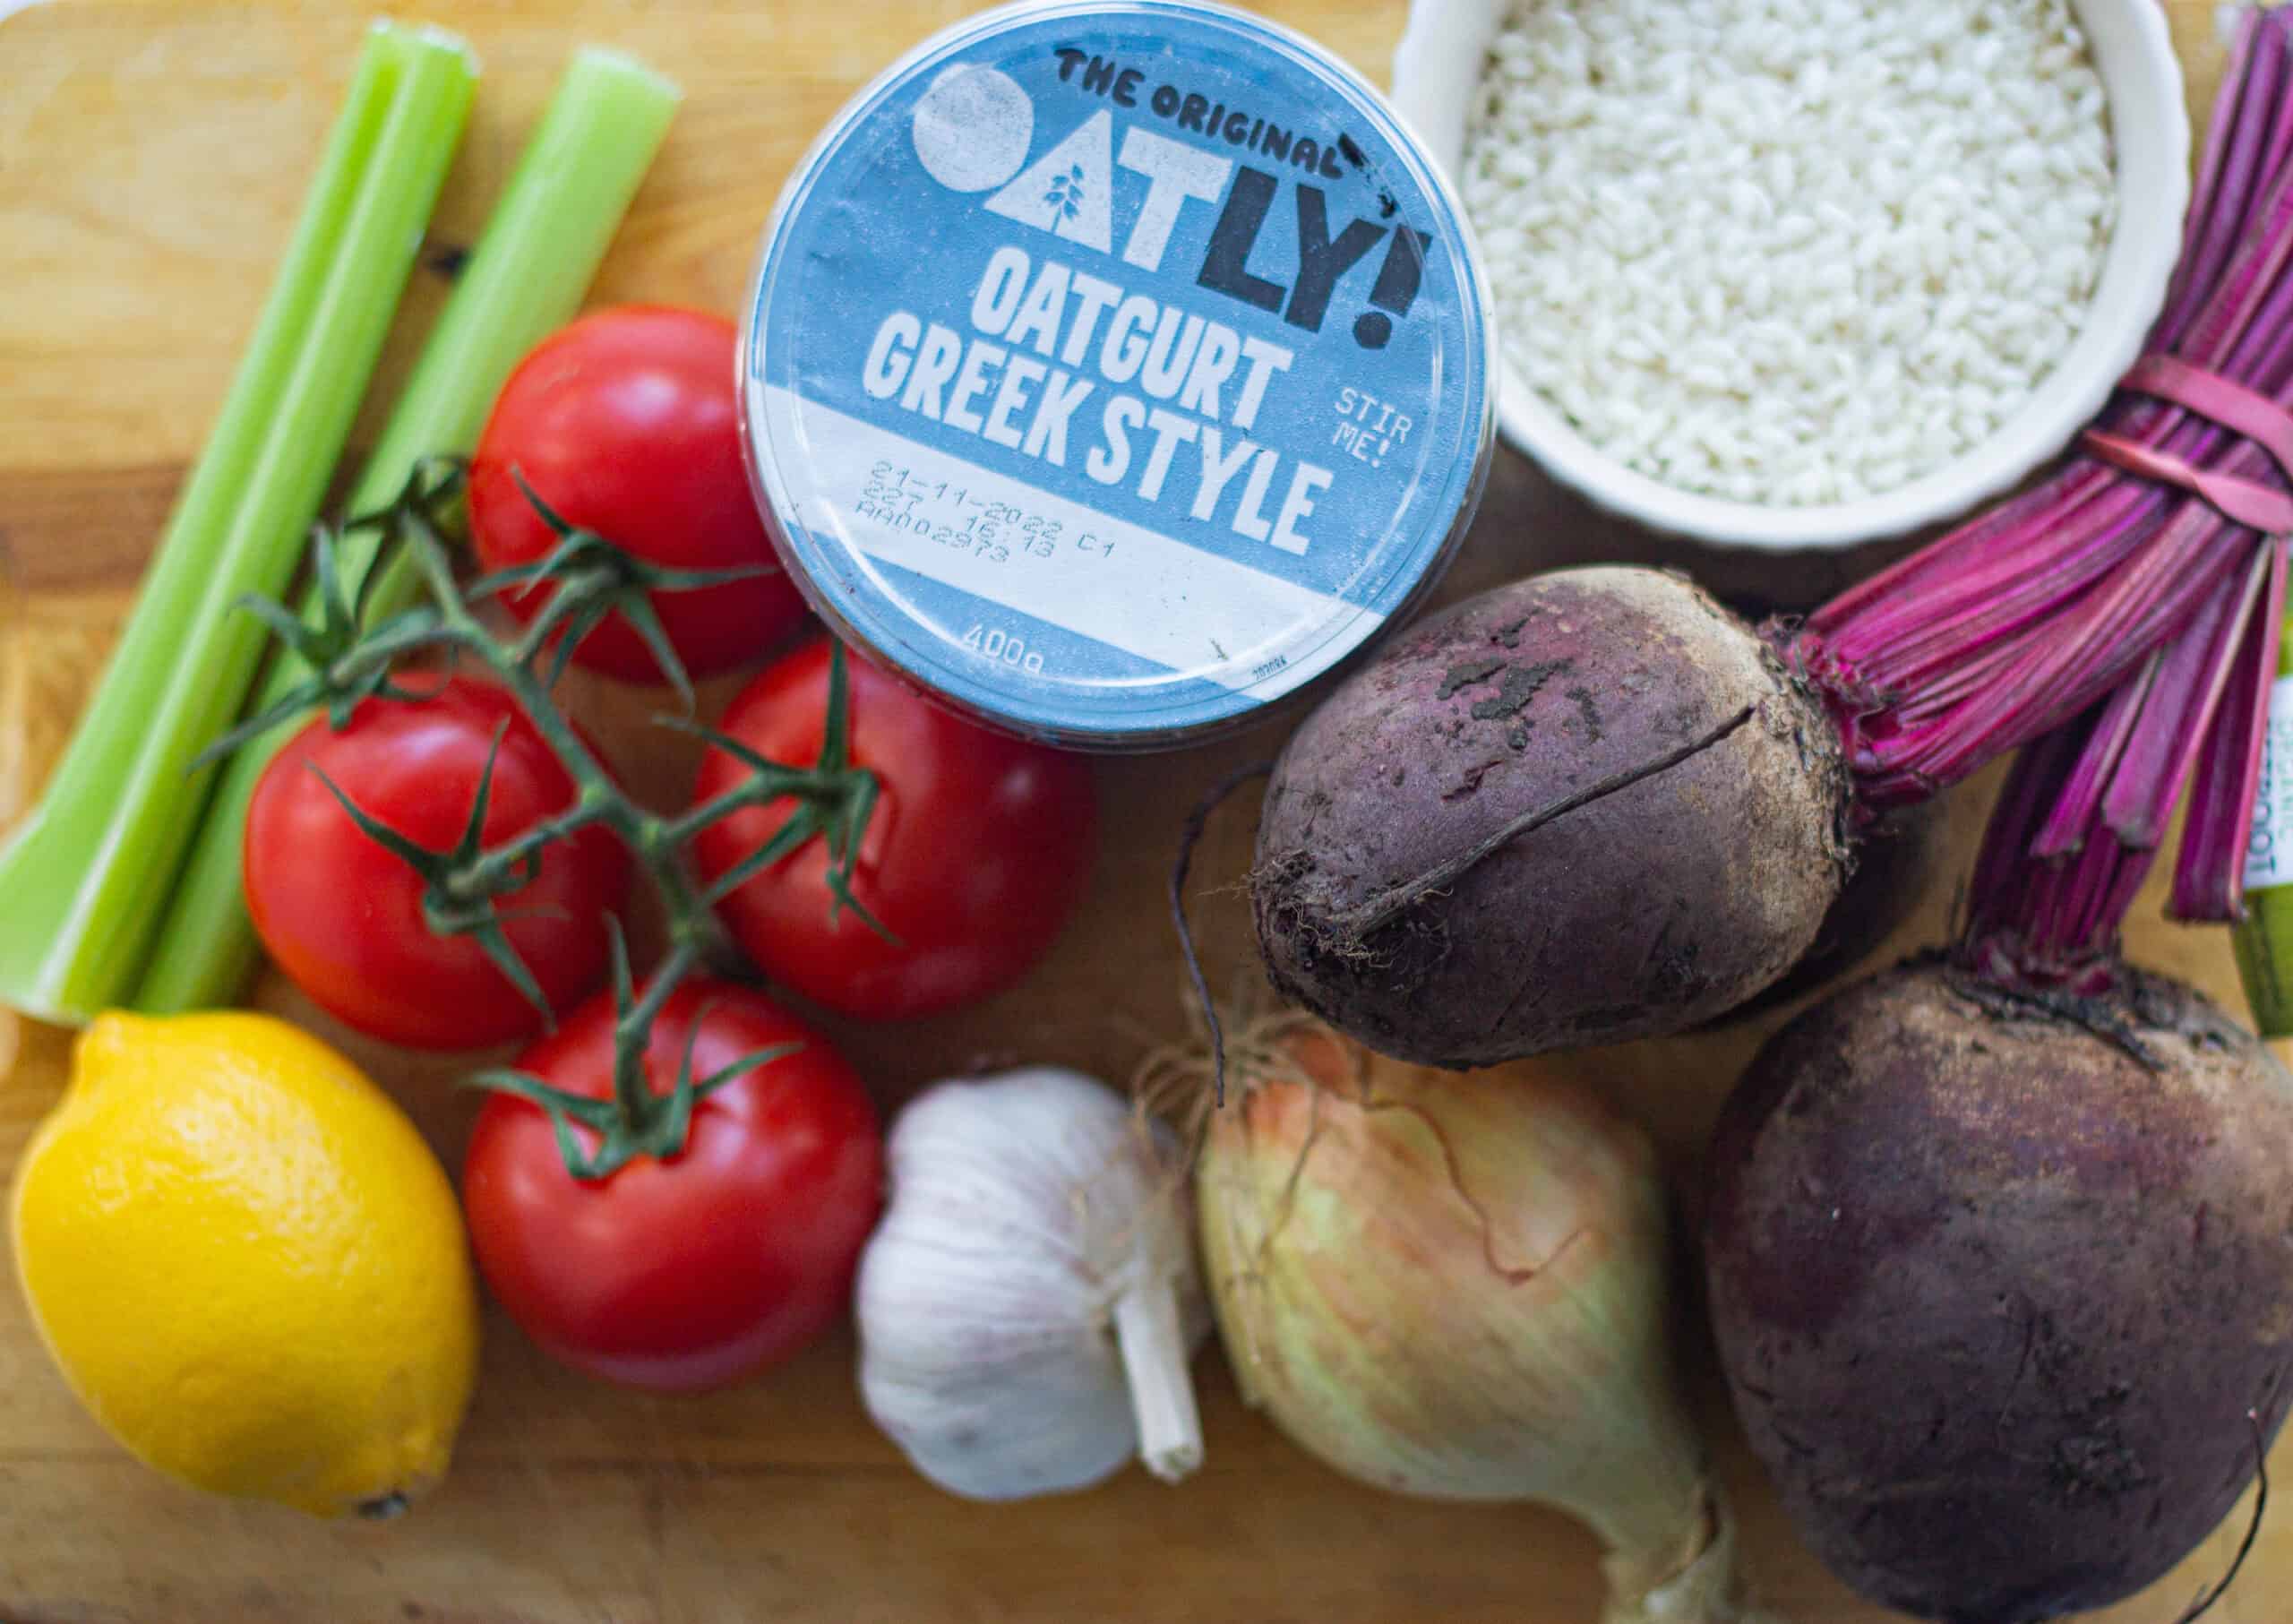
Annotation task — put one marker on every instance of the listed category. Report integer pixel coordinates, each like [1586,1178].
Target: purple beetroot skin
[1896,860]
[2004,1288]
[1585,807]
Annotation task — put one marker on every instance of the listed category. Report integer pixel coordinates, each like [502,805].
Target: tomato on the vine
[345,917]
[977,851]
[689,1272]
[627,423]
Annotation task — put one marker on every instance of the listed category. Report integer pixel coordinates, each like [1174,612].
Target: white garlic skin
[1023,1209]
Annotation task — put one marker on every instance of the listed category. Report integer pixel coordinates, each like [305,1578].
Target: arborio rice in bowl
[1805,272]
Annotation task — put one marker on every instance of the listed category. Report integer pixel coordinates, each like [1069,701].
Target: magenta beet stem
[2074,837]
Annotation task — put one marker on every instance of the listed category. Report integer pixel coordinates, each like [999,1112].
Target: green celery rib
[81,884]
[526,277]
[2263,940]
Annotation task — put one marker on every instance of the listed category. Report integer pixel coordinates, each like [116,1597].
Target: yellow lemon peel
[248,1265]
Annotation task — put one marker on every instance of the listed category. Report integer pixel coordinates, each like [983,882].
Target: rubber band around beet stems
[2221,400]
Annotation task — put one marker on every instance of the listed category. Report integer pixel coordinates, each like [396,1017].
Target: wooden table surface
[151,160]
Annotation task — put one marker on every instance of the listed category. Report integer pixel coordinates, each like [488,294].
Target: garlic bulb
[1459,1286]
[1029,1304]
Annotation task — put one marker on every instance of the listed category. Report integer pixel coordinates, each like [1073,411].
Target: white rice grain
[1790,251]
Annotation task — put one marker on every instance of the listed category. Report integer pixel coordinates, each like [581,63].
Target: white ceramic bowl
[1436,71]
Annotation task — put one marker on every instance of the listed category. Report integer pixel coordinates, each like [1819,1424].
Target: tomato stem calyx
[591,579]
[465,884]
[834,801]
[639,1120]
[458,897]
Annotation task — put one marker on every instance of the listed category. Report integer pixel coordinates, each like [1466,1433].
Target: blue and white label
[2269,852]
[1115,369]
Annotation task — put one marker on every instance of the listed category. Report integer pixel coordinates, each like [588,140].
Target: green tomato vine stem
[590,579]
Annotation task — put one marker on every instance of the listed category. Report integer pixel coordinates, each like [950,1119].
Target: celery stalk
[81,884]
[526,276]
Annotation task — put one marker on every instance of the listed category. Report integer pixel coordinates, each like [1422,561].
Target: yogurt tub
[1115,370]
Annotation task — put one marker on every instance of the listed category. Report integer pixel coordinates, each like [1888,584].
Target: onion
[1459,1288]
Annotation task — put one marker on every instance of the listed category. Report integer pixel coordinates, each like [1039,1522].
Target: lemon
[248,1264]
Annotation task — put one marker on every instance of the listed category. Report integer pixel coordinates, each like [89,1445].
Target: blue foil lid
[1115,370]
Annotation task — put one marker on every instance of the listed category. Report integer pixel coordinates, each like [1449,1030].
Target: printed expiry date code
[991,527]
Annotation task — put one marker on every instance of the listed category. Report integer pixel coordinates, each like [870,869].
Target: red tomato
[685,1274]
[343,915]
[979,849]
[627,423]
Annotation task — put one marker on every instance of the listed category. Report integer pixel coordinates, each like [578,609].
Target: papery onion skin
[1459,1288]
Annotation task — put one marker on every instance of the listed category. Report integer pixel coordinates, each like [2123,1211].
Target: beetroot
[2003,1284]
[1585,807]
[1895,864]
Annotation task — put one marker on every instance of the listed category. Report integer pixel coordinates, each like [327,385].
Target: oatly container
[1115,370]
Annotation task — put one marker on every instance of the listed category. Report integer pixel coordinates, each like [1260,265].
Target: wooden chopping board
[151,160]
